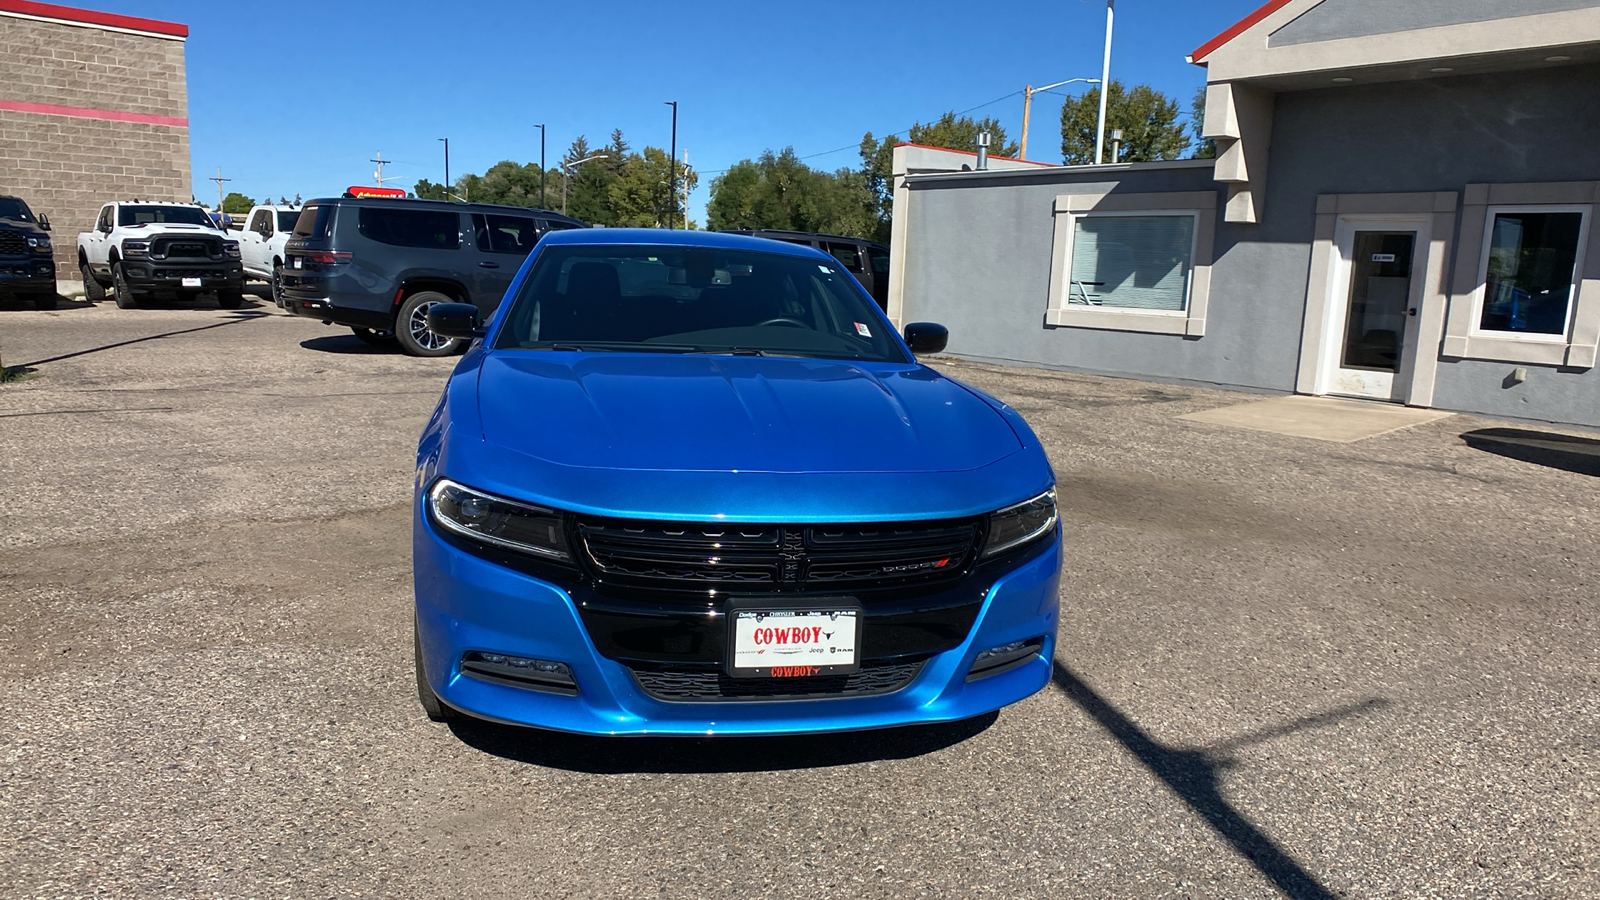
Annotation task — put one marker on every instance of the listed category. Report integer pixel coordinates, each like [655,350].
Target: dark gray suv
[377,265]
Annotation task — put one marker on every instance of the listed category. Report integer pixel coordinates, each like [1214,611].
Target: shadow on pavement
[63,303]
[1542,448]
[1192,775]
[615,756]
[235,318]
[347,343]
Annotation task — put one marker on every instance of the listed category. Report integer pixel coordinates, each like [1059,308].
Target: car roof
[759,232]
[417,202]
[717,240]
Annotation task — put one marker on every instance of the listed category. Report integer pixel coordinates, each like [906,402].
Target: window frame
[1480,294]
[1579,345]
[1200,206]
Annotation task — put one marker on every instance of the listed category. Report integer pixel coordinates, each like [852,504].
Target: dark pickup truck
[27,267]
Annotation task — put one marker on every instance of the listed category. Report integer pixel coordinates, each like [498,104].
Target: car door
[501,243]
[848,254]
[252,242]
[97,248]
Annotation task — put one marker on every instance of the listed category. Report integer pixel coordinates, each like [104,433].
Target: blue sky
[292,97]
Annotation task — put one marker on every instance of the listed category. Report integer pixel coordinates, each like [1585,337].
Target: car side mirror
[455,320]
[44,222]
[926,337]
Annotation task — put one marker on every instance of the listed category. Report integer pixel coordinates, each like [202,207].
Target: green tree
[1204,148]
[1147,117]
[640,196]
[777,190]
[949,131]
[427,190]
[237,203]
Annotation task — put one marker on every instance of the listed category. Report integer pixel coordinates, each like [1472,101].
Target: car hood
[673,412]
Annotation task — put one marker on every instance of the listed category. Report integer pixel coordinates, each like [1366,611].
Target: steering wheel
[784,320]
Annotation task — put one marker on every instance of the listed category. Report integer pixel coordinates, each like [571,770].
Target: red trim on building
[971,153]
[1239,27]
[78,112]
[90,17]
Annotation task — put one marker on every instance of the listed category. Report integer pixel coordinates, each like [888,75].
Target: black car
[866,260]
[27,266]
[378,265]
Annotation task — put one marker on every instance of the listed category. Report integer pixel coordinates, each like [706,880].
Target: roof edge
[1238,28]
[76,16]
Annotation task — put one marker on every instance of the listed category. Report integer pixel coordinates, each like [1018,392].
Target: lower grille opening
[710,685]
[520,672]
[1004,658]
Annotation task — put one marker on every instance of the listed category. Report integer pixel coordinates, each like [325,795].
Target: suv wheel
[92,288]
[119,285]
[413,333]
[46,300]
[230,299]
[375,338]
[277,284]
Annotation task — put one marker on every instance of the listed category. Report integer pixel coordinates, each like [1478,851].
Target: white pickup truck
[144,248]
[266,230]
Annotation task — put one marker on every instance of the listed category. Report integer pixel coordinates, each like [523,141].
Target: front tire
[230,299]
[431,704]
[93,290]
[277,284]
[43,300]
[119,286]
[412,331]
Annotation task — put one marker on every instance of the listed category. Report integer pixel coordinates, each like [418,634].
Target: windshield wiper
[731,351]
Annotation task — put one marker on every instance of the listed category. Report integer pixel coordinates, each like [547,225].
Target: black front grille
[12,243]
[186,248]
[778,557]
[712,686]
[186,273]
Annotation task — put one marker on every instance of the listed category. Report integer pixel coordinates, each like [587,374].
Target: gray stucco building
[1402,208]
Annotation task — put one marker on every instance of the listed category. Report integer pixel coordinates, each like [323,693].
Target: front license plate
[793,643]
[191,282]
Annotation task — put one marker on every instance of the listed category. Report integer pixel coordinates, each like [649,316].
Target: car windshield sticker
[863,330]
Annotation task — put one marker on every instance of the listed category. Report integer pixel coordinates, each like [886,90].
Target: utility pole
[378,175]
[541,167]
[219,180]
[1105,89]
[1027,107]
[672,165]
[446,169]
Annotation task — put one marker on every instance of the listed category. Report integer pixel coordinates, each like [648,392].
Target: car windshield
[12,208]
[675,299]
[287,218]
[172,215]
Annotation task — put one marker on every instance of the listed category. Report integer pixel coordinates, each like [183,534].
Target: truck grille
[12,243]
[186,248]
[778,557]
[712,686]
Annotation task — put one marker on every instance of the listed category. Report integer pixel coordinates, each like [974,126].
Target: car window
[104,222]
[504,234]
[558,224]
[177,215]
[880,261]
[848,254]
[258,221]
[314,222]
[678,299]
[287,218]
[435,230]
[12,208]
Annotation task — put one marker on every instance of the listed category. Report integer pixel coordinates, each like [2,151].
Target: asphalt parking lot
[1286,667]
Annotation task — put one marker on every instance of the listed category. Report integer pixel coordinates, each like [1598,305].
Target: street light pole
[1105,88]
[672,165]
[1027,106]
[541,165]
[446,167]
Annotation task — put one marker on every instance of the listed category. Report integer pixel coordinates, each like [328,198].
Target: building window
[1132,261]
[1529,259]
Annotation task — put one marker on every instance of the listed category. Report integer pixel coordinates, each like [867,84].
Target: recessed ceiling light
[1441,69]
[1343,80]
[1556,58]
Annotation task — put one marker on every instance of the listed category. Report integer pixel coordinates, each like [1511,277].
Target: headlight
[1019,524]
[498,521]
[232,249]
[42,244]
[135,248]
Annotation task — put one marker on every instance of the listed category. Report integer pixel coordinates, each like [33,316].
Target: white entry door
[1372,314]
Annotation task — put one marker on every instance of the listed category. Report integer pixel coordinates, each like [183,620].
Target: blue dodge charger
[689,484]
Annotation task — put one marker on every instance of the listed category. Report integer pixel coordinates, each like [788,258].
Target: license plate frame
[822,653]
[191,282]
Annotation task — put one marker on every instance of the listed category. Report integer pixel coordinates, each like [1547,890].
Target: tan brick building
[93,107]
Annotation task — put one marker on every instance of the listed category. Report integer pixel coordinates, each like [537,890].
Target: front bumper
[27,275]
[170,275]
[467,603]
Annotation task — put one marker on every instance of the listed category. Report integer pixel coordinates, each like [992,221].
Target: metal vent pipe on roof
[983,150]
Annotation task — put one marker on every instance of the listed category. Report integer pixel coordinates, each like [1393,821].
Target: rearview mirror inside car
[926,337]
[455,320]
